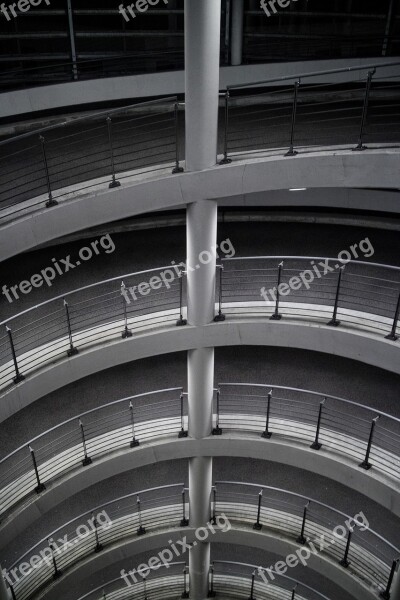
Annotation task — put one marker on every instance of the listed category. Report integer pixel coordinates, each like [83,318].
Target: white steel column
[202,48]
[4,593]
[237,32]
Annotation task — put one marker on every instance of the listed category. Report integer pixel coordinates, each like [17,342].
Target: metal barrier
[86,317]
[100,149]
[224,578]
[157,584]
[355,293]
[369,437]
[301,112]
[99,432]
[124,518]
[369,556]
[251,582]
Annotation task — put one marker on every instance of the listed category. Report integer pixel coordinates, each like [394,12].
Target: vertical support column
[202,49]
[4,593]
[237,32]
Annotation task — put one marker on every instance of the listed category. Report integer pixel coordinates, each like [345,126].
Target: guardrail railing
[359,295]
[332,290]
[302,112]
[367,436]
[124,518]
[99,432]
[368,555]
[225,578]
[100,149]
[86,317]
[156,584]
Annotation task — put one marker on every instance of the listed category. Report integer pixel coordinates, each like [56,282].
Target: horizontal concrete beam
[264,540]
[349,343]
[325,463]
[80,93]
[333,168]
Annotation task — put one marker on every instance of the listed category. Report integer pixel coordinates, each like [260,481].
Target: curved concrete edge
[75,93]
[348,343]
[267,541]
[336,467]
[333,168]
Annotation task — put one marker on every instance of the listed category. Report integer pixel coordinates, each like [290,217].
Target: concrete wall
[332,168]
[161,84]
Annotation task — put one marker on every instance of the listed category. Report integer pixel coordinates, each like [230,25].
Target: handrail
[93,510]
[307,498]
[320,394]
[352,261]
[314,74]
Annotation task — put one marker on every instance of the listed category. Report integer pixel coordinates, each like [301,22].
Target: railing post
[301,539]
[184,521]
[316,445]
[392,335]
[98,547]
[365,463]
[360,145]
[141,530]
[134,442]
[13,595]
[276,316]
[72,350]
[220,317]
[183,432]
[40,486]
[214,505]
[291,151]
[126,333]
[18,376]
[217,429]
[257,525]
[211,593]
[114,183]
[344,562]
[334,322]
[181,321]
[145,588]
[185,593]
[386,593]
[267,433]
[50,200]
[57,573]
[253,577]
[294,592]
[177,168]
[226,160]
[86,460]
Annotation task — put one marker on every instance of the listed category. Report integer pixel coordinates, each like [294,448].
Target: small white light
[297,189]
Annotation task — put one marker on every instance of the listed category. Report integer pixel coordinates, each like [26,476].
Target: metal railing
[367,436]
[225,578]
[96,433]
[299,112]
[101,149]
[157,584]
[368,555]
[122,519]
[247,582]
[357,294]
[84,318]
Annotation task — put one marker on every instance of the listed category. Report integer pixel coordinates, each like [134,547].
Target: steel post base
[87,461]
[126,334]
[275,318]
[72,351]
[134,443]
[219,318]
[51,203]
[114,184]
[176,170]
[301,540]
[141,531]
[57,574]
[334,323]
[40,488]
[217,430]
[98,548]
[266,434]
[365,465]
[257,526]
[19,378]
[392,336]
[344,563]
[225,161]
[184,522]
[316,446]
[181,322]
